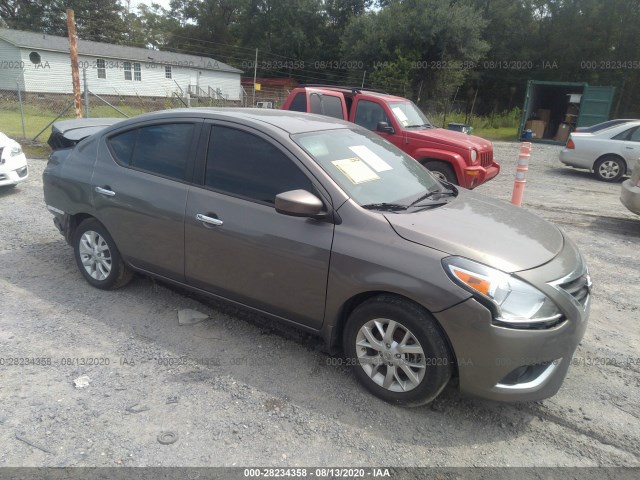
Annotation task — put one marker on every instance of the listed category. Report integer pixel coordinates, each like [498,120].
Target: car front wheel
[609,168]
[442,171]
[397,351]
[98,258]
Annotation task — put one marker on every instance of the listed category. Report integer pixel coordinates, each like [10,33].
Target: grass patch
[498,126]
[36,150]
[507,134]
[36,119]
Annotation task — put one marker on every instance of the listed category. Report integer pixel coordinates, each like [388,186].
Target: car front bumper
[477,175]
[508,364]
[14,170]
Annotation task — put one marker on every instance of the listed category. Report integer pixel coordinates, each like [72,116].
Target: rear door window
[122,146]
[328,105]
[626,135]
[299,103]
[159,149]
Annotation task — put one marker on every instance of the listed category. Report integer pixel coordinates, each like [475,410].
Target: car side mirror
[385,128]
[298,203]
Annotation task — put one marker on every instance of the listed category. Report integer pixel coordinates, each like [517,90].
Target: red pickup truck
[465,160]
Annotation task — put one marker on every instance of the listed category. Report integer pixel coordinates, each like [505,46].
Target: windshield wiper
[390,207]
[433,194]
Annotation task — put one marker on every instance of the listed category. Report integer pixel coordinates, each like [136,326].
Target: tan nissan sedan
[321,224]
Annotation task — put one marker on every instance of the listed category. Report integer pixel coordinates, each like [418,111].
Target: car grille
[579,288]
[486,158]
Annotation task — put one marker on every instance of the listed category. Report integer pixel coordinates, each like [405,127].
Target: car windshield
[409,115]
[368,168]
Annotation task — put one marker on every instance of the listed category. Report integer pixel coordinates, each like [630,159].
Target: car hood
[7,142]
[451,137]
[488,231]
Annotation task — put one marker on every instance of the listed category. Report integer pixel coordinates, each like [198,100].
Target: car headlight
[474,156]
[514,303]
[15,151]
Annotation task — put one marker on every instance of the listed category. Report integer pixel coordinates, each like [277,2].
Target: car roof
[288,121]
[607,133]
[352,91]
[616,129]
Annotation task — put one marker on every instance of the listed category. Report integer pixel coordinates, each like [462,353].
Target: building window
[102,68]
[127,70]
[137,72]
[167,71]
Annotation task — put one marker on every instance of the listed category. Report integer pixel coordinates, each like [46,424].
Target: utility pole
[255,77]
[73,51]
[363,77]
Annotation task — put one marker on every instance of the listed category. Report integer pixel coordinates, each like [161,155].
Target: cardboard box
[544,115]
[572,110]
[537,127]
[563,133]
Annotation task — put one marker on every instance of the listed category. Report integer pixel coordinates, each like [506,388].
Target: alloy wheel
[391,355]
[95,255]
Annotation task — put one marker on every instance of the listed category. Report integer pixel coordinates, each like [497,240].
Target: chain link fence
[28,115]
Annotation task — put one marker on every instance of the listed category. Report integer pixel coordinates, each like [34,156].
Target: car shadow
[9,190]
[284,363]
[581,174]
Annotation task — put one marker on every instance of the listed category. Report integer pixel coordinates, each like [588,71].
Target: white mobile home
[40,63]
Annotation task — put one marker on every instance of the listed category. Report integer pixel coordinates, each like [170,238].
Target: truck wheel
[442,171]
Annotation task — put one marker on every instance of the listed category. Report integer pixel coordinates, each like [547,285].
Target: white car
[609,153]
[13,163]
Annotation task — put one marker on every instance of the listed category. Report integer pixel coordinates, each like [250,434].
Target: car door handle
[208,220]
[105,191]
[629,148]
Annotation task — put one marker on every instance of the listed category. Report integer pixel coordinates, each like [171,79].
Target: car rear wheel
[397,351]
[609,168]
[98,258]
[442,171]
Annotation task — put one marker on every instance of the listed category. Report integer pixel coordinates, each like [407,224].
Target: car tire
[609,168]
[412,365]
[98,258]
[442,171]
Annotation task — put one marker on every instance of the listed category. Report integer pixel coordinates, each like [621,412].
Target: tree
[150,27]
[22,15]
[99,20]
[439,36]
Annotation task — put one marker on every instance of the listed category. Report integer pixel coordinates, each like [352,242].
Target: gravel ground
[263,394]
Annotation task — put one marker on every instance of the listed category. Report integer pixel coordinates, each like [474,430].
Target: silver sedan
[608,153]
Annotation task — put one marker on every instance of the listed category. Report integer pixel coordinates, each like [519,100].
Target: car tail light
[570,144]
